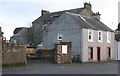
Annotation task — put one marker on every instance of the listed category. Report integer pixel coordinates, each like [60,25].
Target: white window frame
[60,35]
[101,36]
[90,30]
[108,37]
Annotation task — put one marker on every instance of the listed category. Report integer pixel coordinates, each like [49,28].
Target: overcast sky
[20,13]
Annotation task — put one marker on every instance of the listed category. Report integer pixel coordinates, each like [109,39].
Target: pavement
[38,67]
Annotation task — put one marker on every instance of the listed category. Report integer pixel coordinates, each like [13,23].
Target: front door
[98,53]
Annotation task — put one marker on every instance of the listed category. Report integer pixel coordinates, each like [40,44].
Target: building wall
[21,40]
[96,44]
[70,30]
[37,32]
[23,36]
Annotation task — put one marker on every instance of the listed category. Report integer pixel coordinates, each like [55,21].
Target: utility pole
[118,50]
[1,51]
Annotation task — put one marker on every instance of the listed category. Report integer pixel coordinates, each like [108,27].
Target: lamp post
[118,50]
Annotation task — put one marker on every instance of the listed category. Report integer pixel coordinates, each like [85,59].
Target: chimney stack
[44,12]
[97,15]
[87,5]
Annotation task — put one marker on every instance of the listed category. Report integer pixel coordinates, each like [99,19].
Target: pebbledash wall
[103,45]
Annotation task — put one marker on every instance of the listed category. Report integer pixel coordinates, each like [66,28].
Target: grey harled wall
[70,30]
[37,30]
[22,37]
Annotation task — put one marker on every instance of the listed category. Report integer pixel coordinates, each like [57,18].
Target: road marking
[62,67]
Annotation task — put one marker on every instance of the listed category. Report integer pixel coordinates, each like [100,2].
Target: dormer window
[90,35]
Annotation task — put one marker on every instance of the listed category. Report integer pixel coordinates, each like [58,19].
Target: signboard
[64,49]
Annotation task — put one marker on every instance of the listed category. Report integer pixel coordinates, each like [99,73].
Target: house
[117,43]
[22,36]
[91,39]
[47,18]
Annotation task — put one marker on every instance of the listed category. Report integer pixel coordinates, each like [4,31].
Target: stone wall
[13,55]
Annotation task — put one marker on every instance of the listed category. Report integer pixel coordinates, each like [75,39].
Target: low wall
[13,55]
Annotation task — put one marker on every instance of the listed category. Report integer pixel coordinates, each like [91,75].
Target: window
[90,35]
[44,26]
[90,53]
[108,37]
[100,38]
[59,36]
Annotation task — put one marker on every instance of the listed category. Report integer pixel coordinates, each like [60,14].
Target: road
[35,67]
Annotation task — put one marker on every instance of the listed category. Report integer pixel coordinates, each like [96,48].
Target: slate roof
[54,15]
[17,30]
[23,32]
[89,22]
[118,27]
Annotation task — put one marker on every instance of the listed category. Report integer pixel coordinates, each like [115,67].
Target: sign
[64,49]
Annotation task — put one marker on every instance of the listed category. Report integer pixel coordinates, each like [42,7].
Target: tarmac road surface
[36,67]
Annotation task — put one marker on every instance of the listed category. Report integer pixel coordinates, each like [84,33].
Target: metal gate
[47,55]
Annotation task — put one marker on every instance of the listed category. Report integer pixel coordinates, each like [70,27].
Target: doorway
[90,53]
[98,53]
[108,53]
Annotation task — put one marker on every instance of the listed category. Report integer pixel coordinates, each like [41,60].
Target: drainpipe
[46,37]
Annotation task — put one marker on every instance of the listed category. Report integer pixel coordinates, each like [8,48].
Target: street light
[118,50]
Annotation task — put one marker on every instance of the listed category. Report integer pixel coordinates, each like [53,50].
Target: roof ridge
[66,10]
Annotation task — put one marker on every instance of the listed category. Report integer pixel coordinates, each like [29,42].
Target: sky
[21,13]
